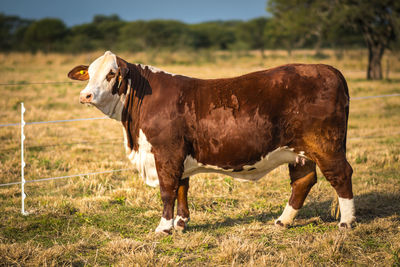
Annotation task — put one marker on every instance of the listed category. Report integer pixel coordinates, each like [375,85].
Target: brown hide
[233,122]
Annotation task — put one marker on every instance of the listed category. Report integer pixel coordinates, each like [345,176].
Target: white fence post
[22,162]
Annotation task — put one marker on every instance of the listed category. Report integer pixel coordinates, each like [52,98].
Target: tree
[10,31]
[132,36]
[252,32]
[165,33]
[378,20]
[299,21]
[213,34]
[82,38]
[45,34]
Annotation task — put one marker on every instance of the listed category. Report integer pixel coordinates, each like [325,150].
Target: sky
[74,12]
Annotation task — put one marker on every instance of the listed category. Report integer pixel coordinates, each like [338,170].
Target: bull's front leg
[168,196]
[169,168]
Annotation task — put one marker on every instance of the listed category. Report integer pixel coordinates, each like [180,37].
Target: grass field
[110,219]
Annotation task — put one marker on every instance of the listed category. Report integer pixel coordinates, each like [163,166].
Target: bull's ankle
[287,217]
[165,226]
[180,223]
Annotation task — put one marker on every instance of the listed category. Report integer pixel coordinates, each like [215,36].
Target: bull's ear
[79,73]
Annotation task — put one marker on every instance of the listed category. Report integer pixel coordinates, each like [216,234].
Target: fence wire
[373,96]
[34,83]
[66,176]
[112,141]
[56,121]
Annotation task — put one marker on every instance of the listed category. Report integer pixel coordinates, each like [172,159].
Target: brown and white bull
[177,126]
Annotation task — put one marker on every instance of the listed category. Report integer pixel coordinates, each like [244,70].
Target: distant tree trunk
[318,43]
[387,68]
[262,50]
[317,47]
[288,48]
[375,54]
[289,51]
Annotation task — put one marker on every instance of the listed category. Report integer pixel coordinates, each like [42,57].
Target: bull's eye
[110,75]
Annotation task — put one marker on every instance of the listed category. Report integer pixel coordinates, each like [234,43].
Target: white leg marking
[347,212]
[288,215]
[165,226]
[178,227]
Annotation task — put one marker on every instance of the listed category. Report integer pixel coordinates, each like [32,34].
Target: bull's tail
[347,107]
[335,208]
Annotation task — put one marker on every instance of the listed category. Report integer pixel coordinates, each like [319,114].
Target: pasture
[110,219]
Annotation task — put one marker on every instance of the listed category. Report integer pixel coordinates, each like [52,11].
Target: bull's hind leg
[302,177]
[338,172]
[182,216]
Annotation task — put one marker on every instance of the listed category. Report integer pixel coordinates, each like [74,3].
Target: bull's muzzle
[85,98]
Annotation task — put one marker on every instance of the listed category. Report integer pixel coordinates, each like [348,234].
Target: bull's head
[108,81]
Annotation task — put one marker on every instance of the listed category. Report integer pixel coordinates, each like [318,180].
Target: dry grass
[110,219]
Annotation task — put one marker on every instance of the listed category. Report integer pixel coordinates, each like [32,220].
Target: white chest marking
[253,172]
[143,159]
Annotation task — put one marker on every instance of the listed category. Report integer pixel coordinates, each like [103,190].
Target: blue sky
[191,11]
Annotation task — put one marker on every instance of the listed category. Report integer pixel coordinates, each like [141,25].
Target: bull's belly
[250,172]
[144,162]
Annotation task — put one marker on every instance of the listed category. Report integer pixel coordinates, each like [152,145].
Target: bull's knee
[303,178]
[300,189]
[342,184]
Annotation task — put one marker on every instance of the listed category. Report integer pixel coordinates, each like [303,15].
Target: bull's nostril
[88,96]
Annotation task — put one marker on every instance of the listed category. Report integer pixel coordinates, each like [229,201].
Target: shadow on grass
[377,205]
[229,222]
[369,206]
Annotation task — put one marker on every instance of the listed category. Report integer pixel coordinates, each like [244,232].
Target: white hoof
[165,226]
[347,211]
[344,226]
[279,223]
[180,223]
[287,216]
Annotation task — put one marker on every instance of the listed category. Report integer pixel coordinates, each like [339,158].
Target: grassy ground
[110,219]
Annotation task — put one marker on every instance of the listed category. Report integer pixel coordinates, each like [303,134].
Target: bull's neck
[114,110]
[139,87]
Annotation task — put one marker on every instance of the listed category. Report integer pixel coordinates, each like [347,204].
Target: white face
[98,91]
[99,87]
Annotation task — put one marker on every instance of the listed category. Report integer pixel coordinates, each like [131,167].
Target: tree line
[293,24]
[112,33]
